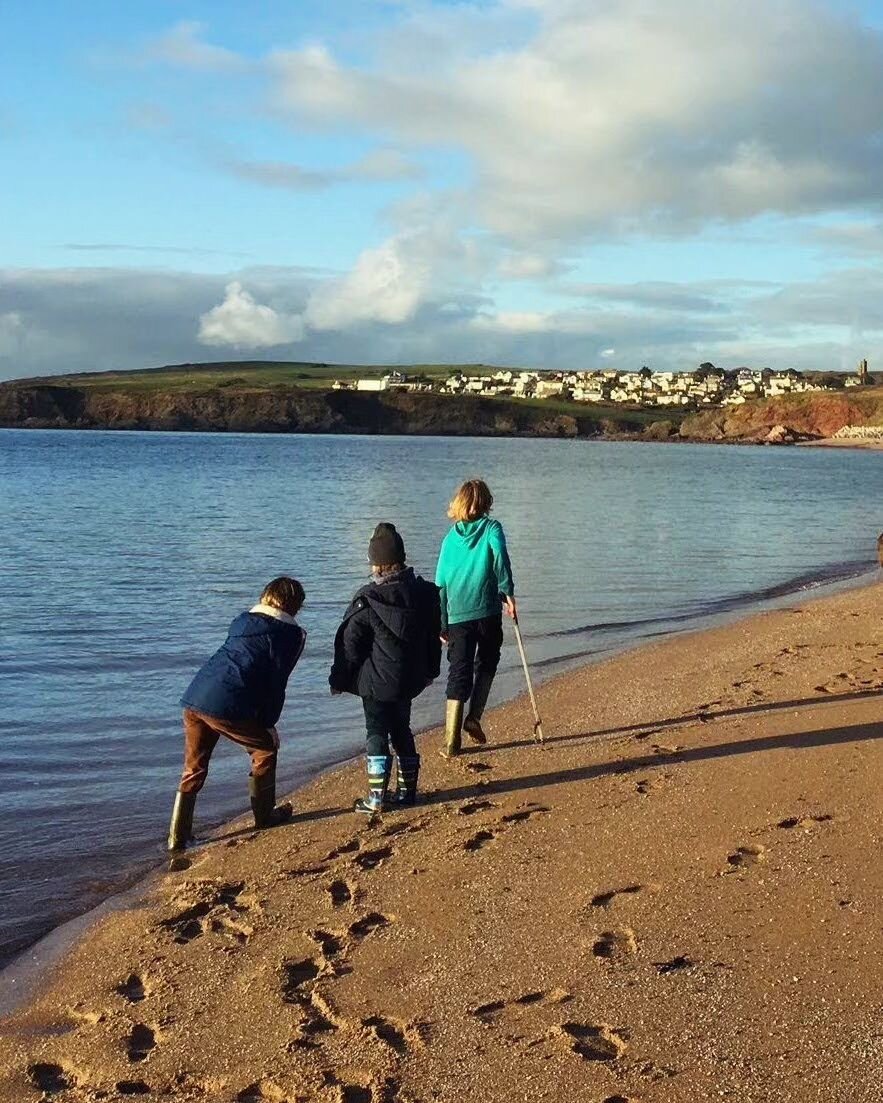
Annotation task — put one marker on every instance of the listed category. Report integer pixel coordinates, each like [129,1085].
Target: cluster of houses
[708,386]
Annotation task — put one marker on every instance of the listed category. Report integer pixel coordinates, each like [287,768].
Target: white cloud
[94,319]
[596,118]
[526,266]
[386,285]
[608,354]
[182,46]
[243,323]
[389,282]
[514,321]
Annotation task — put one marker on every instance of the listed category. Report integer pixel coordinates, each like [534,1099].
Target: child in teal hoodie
[474,577]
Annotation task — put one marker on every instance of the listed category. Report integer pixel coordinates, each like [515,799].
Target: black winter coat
[388,645]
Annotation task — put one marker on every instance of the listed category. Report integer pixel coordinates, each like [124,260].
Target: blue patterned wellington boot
[408,772]
[379,769]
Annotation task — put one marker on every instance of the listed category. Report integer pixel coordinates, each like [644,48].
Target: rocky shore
[676,899]
[291,410]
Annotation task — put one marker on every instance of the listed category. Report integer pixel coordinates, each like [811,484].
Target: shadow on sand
[796,741]
[703,716]
[824,737]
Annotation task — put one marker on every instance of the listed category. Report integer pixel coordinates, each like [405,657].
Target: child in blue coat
[239,693]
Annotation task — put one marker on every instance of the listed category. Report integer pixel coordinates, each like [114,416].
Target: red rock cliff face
[812,415]
[286,410]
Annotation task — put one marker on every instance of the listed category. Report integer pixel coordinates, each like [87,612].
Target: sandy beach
[845,442]
[676,899]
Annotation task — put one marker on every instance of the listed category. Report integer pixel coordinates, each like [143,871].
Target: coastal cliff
[808,416]
[45,405]
[208,398]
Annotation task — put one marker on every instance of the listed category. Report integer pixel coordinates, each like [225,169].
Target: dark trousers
[388,722]
[483,638]
[201,734]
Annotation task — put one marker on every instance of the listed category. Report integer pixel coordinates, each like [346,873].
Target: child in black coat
[387,651]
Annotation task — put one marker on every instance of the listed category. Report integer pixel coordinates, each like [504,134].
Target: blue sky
[523,181]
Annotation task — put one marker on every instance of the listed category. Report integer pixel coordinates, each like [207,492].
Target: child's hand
[444,637]
[509,607]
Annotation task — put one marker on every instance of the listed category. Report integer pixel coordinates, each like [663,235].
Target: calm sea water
[123,558]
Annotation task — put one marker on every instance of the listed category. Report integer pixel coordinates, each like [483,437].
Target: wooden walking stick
[538,724]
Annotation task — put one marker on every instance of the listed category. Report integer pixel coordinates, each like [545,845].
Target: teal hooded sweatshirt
[473,570]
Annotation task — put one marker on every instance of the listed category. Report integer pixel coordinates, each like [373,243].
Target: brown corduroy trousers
[201,734]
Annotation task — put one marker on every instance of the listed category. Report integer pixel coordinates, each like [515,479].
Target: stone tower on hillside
[863,373]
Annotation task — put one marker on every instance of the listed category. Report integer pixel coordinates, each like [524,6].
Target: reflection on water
[125,556]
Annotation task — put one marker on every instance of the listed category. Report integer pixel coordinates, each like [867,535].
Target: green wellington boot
[480,693]
[407,774]
[262,792]
[181,827]
[453,729]
[379,770]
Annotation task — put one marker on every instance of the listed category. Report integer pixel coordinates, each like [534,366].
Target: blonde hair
[472,500]
[284,593]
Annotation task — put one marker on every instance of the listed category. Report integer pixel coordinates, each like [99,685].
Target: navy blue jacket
[245,679]
[388,645]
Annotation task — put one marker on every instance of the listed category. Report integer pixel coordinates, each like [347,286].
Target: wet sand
[677,898]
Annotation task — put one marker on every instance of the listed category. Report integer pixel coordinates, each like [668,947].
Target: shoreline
[525,818]
[30,965]
[555,431]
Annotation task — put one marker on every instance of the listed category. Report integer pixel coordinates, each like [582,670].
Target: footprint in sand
[317,1015]
[374,1091]
[331,943]
[525,813]
[805,822]
[369,923]
[132,988]
[354,1093]
[133,1087]
[140,1043]
[371,859]
[674,965]
[296,976]
[398,1036]
[590,1041]
[342,892]
[349,847]
[50,1078]
[744,856]
[206,911]
[305,872]
[605,899]
[477,767]
[261,1091]
[472,806]
[488,834]
[478,840]
[491,1012]
[615,945]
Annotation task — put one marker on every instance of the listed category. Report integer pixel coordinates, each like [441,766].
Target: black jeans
[388,722]
[484,637]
